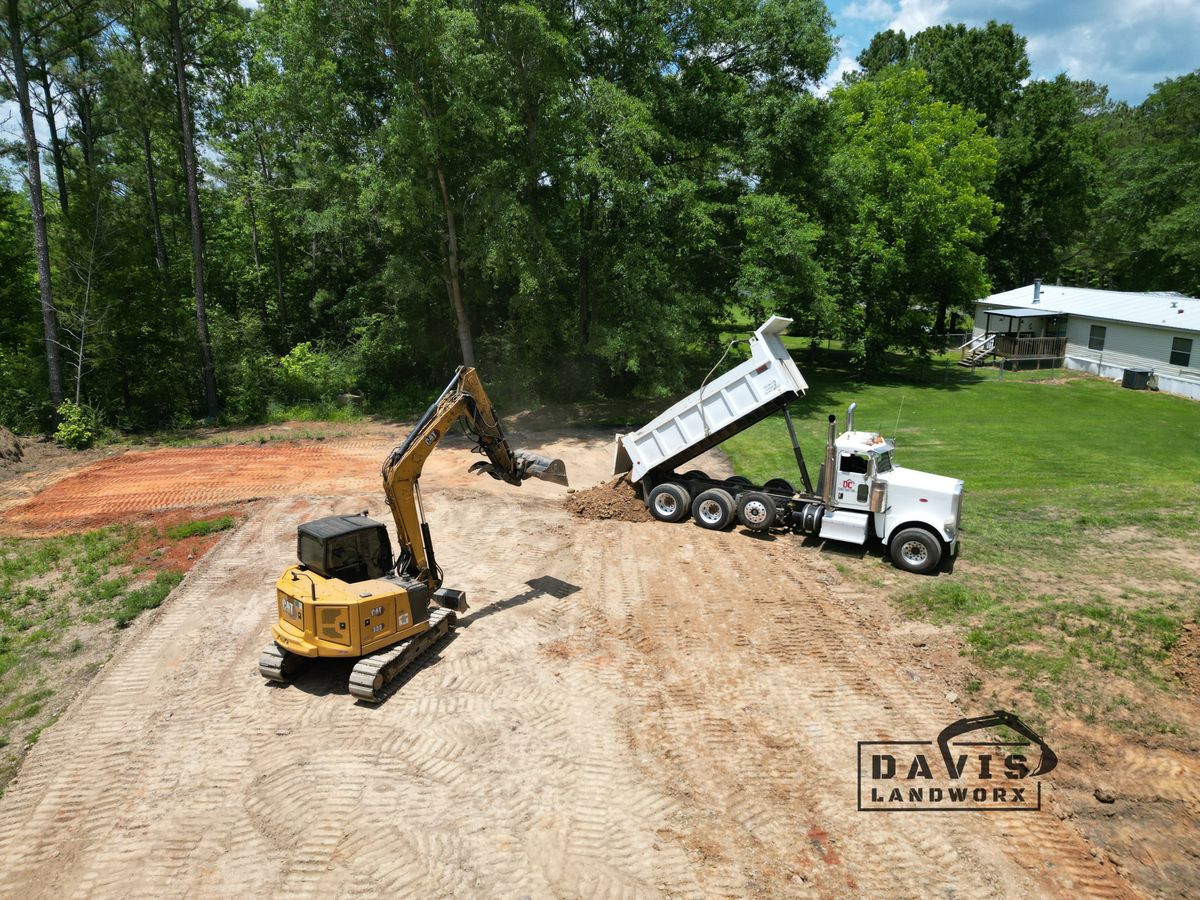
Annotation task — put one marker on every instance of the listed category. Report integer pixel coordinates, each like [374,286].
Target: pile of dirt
[616,499]
[10,449]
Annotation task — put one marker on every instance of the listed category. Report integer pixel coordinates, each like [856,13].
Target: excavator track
[277,664]
[373,673]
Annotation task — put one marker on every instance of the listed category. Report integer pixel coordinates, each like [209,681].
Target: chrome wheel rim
[665,504]
[710,512]
[914,552]
[755,512]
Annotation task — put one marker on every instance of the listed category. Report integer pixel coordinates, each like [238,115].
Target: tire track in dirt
[141,483]
[806,665]
[679,720]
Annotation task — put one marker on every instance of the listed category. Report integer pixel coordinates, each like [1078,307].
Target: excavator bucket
[542,467]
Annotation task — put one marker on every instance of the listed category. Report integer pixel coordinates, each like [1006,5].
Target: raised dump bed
[721,408]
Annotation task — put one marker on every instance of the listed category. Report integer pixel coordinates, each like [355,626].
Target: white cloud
[917,15]
[874,10]
[845,63]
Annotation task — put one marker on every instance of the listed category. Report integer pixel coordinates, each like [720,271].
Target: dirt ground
[631,709]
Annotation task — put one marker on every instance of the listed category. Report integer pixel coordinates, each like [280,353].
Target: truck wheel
[668,502]
[756,510]
[713,509]
[779,486]
[916,550]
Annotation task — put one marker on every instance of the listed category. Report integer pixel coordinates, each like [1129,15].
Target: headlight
[950,527]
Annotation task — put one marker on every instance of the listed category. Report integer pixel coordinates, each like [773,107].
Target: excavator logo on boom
[349,597]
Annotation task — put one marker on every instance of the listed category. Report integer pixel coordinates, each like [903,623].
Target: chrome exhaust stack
[850,416]
[827,481]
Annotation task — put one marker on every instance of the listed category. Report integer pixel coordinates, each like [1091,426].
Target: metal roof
[1164,310]
[1017,312]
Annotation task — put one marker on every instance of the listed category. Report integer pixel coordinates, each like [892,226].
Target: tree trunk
[42,244]
[193,192]
[273,227]
[160,245]
[455,284]
[60,177]
[262,299]
[939,326]
[585,270]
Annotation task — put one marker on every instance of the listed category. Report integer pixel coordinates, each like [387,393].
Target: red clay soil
[136,487]
[154,550]
[614,499]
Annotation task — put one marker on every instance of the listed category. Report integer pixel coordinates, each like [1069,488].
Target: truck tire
[780,486]
[713,509]
[669,502]
[756,510]
[916,550]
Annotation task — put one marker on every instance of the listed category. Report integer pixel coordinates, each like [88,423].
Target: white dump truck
[861,494]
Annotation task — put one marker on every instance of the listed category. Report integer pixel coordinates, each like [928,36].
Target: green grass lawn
[1080,514]
[62,602]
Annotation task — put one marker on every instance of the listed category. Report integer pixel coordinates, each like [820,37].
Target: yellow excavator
[349,597]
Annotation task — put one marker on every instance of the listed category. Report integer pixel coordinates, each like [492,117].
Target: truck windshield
[883,463]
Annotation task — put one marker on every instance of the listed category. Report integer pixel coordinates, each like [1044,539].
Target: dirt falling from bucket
[616,498]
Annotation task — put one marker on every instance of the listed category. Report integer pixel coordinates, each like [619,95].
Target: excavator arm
[465,400]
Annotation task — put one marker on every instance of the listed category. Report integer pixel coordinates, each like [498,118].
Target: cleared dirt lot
[630,709]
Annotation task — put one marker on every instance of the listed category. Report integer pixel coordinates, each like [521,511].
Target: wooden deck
[1030,348]
[1012,348]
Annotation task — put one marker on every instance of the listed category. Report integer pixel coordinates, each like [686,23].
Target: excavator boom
[465,400]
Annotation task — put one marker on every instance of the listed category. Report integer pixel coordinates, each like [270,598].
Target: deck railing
[1030,347]
[976,348]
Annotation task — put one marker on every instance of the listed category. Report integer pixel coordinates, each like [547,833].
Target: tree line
[213,209]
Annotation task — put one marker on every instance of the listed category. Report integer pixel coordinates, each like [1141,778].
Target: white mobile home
[1102,332]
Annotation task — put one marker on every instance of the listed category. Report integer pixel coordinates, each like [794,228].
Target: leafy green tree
[1152,204]
[978,68]
[18,287]
[1047,182]
[912,175]
[22,374]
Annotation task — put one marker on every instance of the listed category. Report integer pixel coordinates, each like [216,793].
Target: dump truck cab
[868,479]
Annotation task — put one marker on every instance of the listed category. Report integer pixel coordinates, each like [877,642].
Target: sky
[1130,45]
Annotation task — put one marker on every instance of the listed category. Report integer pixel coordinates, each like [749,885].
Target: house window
[1096,338]
[1181,352]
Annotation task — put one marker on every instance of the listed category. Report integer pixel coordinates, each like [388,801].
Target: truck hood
[921,482]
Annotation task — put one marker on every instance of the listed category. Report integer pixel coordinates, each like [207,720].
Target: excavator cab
[350,548]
